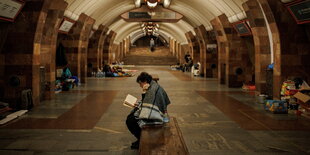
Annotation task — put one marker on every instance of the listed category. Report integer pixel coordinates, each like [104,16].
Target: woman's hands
[137,104]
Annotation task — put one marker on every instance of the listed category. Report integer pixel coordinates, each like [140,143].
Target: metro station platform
[214,119]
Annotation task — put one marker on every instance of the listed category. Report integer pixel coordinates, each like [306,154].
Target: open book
[130,101]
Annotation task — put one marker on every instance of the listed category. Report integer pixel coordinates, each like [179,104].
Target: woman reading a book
[152,93]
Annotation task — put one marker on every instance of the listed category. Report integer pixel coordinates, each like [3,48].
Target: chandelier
[149,28]
[152,3]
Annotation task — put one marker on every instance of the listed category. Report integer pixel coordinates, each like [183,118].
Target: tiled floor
[214,119]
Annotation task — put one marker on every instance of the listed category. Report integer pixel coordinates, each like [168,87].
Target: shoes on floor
[135,145]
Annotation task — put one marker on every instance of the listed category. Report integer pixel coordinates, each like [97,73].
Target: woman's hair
[144,77]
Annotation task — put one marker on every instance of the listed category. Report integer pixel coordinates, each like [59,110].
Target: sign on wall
[66,25]
[152,15]
[289,2]
[242,28]
[9,9]
[300,12]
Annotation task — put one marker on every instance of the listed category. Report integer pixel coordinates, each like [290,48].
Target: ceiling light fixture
[149,28]
[152,3]
[166,3]
[137,3]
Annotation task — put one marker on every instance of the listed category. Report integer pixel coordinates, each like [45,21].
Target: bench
[155,77]
[166,139]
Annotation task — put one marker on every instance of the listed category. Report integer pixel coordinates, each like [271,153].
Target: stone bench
[166,139]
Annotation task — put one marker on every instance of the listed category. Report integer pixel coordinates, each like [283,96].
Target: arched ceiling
[176,30]
[195,12]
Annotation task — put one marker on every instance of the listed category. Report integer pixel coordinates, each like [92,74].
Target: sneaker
[135,145]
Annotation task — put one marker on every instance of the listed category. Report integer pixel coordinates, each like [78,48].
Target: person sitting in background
[187,67]
[107,70]
[67,77]
[187,57]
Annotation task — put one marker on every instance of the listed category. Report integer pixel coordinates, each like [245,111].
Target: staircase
[143,56]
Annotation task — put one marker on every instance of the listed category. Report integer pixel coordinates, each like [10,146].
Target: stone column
[211,55]
[84,47]
[25,40]
[233,54]
[116,51]
[48,46]
[185,48]
[180,57]
[174,45]
[200,33]
[177,50]
[127,45]
[108,47]
[95,49]
[290,45]
[121,46]
[194,46]
[207,58]
[76,46]
[101,46]
[124,47]
[261,41]
[171,46]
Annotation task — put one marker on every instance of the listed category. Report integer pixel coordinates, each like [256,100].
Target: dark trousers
[132,125]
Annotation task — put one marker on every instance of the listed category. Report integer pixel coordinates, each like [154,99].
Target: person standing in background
[187,57]
[152,44]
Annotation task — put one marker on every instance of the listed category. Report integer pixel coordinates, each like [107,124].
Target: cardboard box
[277,107]
[302,95]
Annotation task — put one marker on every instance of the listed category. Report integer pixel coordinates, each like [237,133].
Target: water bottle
[166,117]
